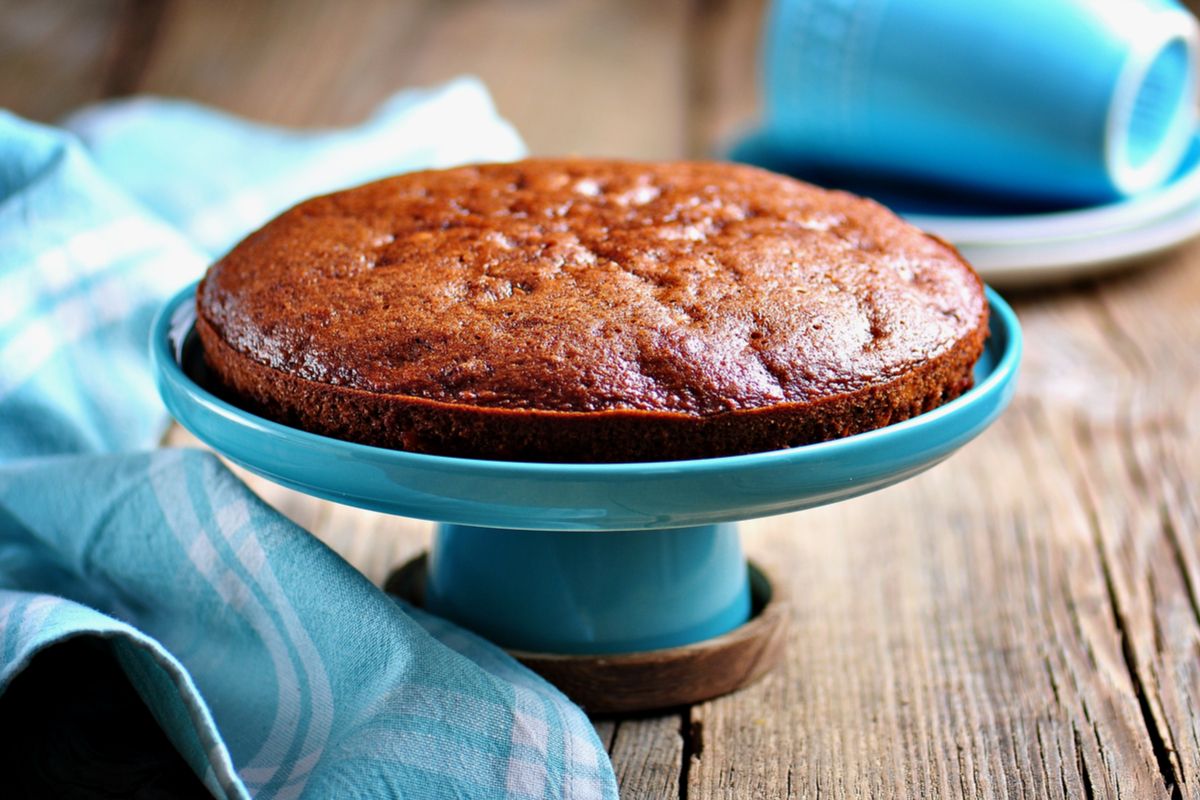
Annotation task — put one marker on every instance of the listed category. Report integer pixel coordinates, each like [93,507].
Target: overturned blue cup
[1076,101]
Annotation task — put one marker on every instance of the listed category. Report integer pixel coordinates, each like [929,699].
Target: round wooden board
[618,683]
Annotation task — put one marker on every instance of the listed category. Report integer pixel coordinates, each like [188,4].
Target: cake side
[427,426]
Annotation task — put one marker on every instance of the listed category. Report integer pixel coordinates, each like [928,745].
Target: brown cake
[586,310]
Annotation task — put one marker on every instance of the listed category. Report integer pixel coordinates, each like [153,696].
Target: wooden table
[1022,621]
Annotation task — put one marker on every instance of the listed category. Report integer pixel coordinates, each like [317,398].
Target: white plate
[1029,263]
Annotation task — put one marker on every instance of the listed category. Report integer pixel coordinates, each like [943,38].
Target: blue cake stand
[581,558]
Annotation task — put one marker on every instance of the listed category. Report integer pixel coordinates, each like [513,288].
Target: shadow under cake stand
[624,584]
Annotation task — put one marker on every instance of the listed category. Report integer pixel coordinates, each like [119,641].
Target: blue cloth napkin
[271,666]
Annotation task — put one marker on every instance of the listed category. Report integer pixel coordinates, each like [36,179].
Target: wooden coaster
[618,683]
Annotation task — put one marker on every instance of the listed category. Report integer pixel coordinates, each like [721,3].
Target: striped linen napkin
[163,632]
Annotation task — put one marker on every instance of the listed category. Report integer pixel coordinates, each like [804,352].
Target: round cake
[591,310]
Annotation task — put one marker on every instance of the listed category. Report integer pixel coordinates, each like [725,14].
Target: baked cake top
[590,285]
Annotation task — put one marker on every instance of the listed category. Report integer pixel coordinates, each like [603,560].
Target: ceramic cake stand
[624,583]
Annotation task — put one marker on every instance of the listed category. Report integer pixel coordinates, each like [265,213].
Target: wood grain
[954,642]
[1022,621]
[646,753]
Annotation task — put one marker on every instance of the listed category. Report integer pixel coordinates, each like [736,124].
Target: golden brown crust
[591,311]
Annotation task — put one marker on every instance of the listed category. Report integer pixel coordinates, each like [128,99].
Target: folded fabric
[154,585]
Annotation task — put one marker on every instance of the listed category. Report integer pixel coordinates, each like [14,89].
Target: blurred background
[641,79]
[673,79]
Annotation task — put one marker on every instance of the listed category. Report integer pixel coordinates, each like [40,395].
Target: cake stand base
[621,683]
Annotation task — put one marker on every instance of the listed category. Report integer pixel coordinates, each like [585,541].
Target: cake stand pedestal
[625,584]
[614,683]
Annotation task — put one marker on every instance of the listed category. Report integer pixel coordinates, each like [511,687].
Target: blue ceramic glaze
[921,202]
[1065,100]
[590,591]
[578,558]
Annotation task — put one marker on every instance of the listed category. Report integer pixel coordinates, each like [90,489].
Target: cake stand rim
[601,487]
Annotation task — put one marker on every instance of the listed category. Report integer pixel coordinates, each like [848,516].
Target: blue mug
[1076,101]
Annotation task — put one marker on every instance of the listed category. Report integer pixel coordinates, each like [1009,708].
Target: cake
[580,310]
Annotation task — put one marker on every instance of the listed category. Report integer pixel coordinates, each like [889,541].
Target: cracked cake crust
[585,310]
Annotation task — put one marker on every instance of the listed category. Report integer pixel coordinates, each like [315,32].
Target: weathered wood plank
[1138,477]
[952,638]
[647,754]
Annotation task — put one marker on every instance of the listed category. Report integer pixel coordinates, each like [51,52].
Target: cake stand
[624,583]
